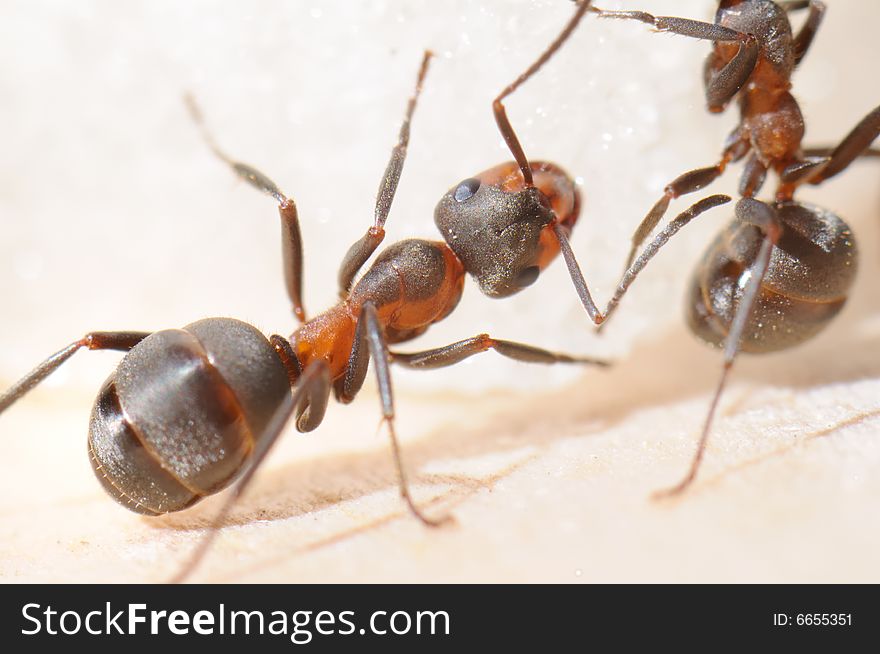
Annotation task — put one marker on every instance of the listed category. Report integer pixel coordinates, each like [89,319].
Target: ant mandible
[191,411]
[777,274]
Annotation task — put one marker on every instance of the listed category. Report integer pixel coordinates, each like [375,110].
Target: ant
[191,411]
[781,270]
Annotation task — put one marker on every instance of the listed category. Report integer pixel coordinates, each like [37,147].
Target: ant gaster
[778,273]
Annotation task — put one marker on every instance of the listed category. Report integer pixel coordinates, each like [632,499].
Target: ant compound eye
[466,189]
[527,276]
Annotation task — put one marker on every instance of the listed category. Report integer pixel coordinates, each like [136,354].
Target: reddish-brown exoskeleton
[778,273]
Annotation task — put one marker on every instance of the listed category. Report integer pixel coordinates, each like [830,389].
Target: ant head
[502,230]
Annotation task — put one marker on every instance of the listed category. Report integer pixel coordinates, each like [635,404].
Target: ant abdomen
[811,270]
[181,415]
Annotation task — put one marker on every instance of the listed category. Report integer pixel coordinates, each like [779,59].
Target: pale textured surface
[114,216]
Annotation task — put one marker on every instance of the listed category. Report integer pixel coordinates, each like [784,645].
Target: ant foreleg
[121,341]
[361,250]
[449,355]
[291,237]
[688,182]
[311,409]
[804,38]
[313,379]
[755,213]
[654,246]
[723,84]
[498,107]
[313,406]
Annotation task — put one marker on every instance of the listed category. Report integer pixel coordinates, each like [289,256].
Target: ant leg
[798,172]
[804,38]
[825,150]
[814,159]
[449,355]
[659,241]
[723,84]
[369,341]
[291,237]
[498,107]
[753,177]
[362,249]
[311,410]
[313,406]
[794,5]
[314,378]
[288,357]
[689,182]
[764,217]
[854,144]
[122,341]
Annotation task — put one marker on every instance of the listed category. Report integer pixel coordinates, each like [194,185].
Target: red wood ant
[191,411]
[778,273]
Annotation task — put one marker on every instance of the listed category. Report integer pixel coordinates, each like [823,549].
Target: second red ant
[777,274]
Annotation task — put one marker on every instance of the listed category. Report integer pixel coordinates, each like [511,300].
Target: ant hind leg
[764,217]
[121,341]
[314,379]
